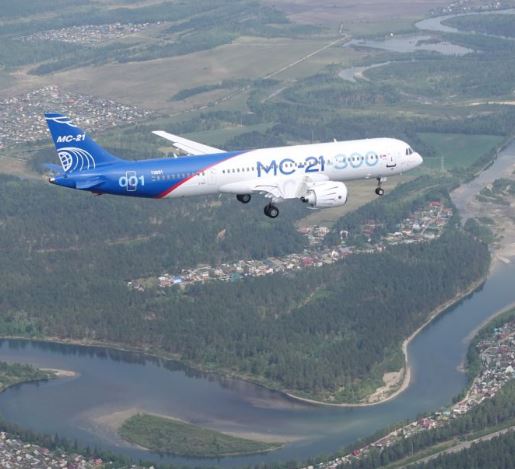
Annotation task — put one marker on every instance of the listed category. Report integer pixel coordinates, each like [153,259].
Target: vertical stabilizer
[77,151]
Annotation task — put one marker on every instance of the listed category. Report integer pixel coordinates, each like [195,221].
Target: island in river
[166,435]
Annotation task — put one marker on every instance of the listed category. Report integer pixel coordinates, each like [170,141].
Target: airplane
[313,174]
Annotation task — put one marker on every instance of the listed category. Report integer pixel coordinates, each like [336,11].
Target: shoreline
[406,370]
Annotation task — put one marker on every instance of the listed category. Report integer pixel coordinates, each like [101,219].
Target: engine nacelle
[326,194]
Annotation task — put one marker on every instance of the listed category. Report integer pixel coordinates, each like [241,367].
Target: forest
[493,454]
[329,332]
[495,24]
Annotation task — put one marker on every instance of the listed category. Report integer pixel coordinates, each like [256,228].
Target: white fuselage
[335,161]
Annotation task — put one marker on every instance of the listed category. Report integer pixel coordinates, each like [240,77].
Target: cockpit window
[409,151]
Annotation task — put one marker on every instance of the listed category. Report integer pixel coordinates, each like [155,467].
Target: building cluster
[17,454]
[497,356]
[22,120]
[469,6]
[88,34]
[422,225]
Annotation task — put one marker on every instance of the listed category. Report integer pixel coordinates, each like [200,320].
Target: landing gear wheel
[379,191]
[271,211]
[243,198]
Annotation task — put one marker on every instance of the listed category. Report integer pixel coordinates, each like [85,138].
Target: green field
[459,151]
[183,439]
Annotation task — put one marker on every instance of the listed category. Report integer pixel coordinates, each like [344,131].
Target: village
[422,225]
[497,356]
[22,120]
[89,34]
[15,453]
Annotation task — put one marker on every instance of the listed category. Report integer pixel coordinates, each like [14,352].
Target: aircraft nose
[418,159]
[51,180]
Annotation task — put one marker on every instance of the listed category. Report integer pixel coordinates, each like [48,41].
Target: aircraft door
[390,161]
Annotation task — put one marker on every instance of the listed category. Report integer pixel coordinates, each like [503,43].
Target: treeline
[496,453]
[66,258]
[224,84]
[22,8]
[470,76]
[500,410]
[14,373]
[494,24]
[139,237]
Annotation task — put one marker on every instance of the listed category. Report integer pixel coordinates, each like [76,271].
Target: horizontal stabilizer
[188,146]
[90,183]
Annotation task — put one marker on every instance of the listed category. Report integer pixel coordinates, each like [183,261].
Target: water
[419,42]
[110,382]
[112,385]
[414,43]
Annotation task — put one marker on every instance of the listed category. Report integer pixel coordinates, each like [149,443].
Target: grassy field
[365,11]
[151,85]
[183,439]
[458,150]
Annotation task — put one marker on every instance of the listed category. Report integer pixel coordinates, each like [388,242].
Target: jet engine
[325,194]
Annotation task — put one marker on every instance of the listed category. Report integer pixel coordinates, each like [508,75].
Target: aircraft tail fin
[77,151]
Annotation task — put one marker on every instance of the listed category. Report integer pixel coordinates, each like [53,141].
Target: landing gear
[271,211]
[379,189]
[243,198]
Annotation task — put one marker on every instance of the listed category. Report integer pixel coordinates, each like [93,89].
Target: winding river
[110,385]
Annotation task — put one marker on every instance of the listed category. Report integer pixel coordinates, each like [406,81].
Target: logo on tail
[75,159]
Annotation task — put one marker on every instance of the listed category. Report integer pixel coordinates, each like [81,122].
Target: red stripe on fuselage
[181,182]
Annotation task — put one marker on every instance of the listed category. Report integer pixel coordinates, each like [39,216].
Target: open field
[458,150]
[366,12]
[152,84]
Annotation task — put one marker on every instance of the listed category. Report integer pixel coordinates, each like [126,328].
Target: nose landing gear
[379,190]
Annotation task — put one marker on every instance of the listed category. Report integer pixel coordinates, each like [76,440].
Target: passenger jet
[313,174]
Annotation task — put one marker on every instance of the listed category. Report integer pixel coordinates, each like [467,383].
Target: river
[111,385]
[415,42]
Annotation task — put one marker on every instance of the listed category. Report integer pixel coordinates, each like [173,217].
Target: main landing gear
[379,189]
[271,211]
[243,198]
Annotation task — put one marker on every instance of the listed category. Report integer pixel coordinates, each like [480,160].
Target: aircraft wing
[188,146]
[276,188]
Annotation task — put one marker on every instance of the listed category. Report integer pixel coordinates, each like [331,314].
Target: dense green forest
[493,454]
[14,373]
[66,258]
[494,24]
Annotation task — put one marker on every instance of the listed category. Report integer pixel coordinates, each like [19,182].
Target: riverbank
[395,390]
[405,372]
